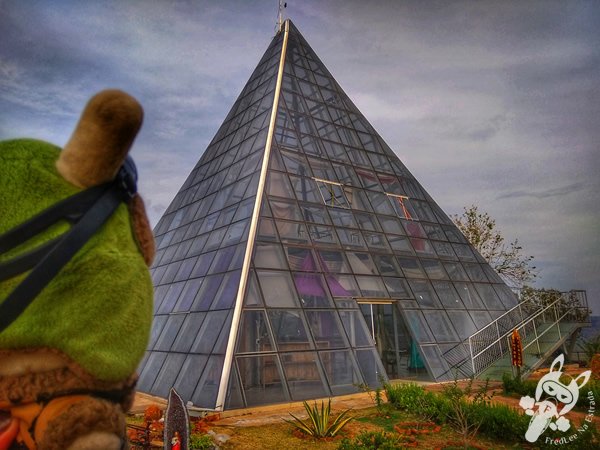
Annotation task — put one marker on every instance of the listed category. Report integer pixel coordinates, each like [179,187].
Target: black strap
[70,209]
[95,216]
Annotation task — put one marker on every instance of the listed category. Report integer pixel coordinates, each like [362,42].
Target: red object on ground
[8,435]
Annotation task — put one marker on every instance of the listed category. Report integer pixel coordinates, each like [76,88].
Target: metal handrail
[522,326]
[460,364]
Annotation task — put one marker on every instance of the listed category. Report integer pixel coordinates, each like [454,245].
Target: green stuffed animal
[68,361]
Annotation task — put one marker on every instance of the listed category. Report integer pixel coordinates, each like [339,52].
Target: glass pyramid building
[301,259]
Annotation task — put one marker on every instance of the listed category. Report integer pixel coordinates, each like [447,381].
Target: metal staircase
[543,329]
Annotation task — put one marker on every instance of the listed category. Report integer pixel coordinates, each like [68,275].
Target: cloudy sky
[493,103]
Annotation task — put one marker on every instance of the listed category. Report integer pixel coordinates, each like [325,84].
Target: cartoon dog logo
[556,393]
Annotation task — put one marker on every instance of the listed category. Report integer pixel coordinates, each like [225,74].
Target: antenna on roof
[282,6]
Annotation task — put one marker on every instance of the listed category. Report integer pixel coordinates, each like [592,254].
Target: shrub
[373,440]
[404,396]
[318,424]
[201,442]
[515,385]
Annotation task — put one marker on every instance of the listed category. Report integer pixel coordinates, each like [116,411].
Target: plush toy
[75,290]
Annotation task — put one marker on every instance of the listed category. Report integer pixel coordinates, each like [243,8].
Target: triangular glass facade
[343,272]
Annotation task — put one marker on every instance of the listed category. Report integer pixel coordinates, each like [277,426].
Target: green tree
[508,260]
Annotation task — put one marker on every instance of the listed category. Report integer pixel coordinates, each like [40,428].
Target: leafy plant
[463,416]
[318,423]
[373,440]
[201,442]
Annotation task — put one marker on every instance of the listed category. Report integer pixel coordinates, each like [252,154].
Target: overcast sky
[493,103]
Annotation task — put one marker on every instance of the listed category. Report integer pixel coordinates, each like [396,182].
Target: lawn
[281,436]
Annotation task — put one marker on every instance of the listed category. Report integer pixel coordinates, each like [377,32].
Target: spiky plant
[318,422]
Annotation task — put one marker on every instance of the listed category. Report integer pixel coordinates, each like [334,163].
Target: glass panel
[456,271]
[481,318]
[157,326]
[341,371]
[188,294]
[436,362]
[209,332]
[506,295]
[411,267]
[420,329]
[304,375]
[443,250]
[227,294]
[489,297]
[362,263]
[266,230]
[188,332]
[279,185]
[400,244]
[367,221]
[356,329]
[475,272]
[277,288]
[342,218]
[463,252]
[292,232]
[333,261]
[333,194]
[463,323]
[469,296]
[350,238]
[254,334]
[296,163]
[372,287]
[447,295]
[424,294]
[306,189]
[439,321]
[326,330]
[422,246]
[312,291]
[342,286]
[167,375]
[387,265]
[369,180]
[289,329]
[371,367]
[253,297]
[151,367]
[222,260]
[322,235]
[375,241]
[314,213]
[261,379]
[391,225]
[269,256]
[434,269]
[205,394]
[380,203]
[285,209]
[171,297]
[169,333]
[207,292]
[397,287]
[186,382]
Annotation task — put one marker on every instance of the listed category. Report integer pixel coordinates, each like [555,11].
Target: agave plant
[318,422]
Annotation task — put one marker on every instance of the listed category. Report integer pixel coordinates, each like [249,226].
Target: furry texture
[90,421]
[98,310]
[110,120]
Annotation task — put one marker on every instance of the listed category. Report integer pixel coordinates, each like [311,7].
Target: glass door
[399,354]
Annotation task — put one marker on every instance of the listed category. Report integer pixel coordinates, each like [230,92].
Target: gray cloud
[553,192]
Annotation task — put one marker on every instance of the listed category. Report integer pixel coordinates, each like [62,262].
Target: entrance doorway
[398,353]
